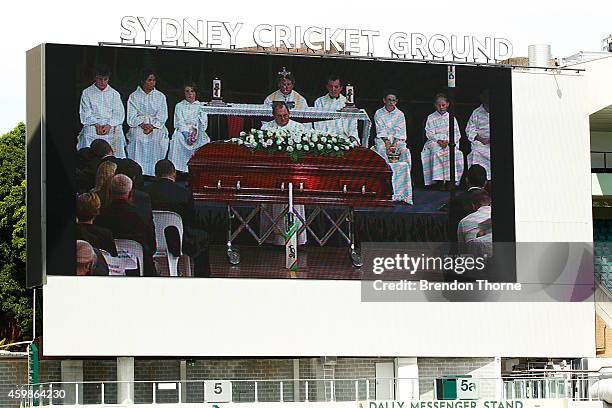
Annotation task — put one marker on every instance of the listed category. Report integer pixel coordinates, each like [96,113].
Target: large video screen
[243,164]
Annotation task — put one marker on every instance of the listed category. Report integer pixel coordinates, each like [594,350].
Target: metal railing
[601,162]
[106,393]
[577,389]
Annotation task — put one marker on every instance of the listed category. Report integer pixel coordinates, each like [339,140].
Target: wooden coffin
[227,172]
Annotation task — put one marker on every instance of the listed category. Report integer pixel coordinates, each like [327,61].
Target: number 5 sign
[217,391]
[467,388]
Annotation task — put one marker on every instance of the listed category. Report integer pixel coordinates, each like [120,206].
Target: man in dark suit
[140,199]
[461,205]
[123,219]
[167,195]
[88,160]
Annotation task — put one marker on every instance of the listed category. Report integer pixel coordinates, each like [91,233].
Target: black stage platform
[425,220]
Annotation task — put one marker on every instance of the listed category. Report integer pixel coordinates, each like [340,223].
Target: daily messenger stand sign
[532,403]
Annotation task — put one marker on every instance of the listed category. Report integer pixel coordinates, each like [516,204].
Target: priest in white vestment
[436,153]
[478,133]
[190,123]
[391,139]
[102,114]
[285,93]
[282,122]
[146,115]
[280,111]
[334,101]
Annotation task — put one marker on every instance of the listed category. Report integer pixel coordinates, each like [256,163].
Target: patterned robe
[187,117]
[435,158]
[392,126]
[152,109]
[481,153]
[478,222]
[102,108]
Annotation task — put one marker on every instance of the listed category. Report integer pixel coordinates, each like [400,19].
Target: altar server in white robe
[478,133]
[334,101]
[146,115]
[190,123]
[102,114]
[286,93]
[391,138]
[281,121]
[435,154]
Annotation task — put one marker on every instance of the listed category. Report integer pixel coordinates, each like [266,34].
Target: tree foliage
[15,300]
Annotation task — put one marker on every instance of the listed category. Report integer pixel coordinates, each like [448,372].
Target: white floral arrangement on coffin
[295,144]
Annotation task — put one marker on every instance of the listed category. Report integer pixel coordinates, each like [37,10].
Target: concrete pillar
[183,379]
[407,372]
[125,372]
[319,386]
[499,385]
[296,377]
[72,372]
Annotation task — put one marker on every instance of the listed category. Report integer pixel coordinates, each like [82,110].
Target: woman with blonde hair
[106,171]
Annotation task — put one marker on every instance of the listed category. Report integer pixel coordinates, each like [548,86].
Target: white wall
[106,316]
[598,86]
[552,169]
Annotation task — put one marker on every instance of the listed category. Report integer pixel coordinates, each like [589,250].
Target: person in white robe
[478,133]
[281,121]
[102,114]
[474,232]
[436,153]
[286,93]
[190,123]
[390,125]
[146,115]
[334,101]
[280,111]
[471,227]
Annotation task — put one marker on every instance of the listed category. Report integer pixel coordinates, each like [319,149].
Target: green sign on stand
[452,387]
[33,368]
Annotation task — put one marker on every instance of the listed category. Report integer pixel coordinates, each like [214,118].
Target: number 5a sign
[467,388]
[217,391]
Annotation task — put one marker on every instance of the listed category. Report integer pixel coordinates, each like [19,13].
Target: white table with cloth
[304,115]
